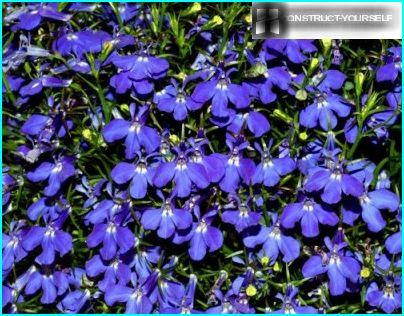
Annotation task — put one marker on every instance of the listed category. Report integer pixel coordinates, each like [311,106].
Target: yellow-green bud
[282,116]
[277,267]
[303,136]
[365,272]
[251,290]
[359,79]
[264,261]
[326,43]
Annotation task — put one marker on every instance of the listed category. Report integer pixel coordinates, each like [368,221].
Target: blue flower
[338,265]
[45,81]
[114,272]
[241,217]
[139,71]
[55,172]
[202,236]
[256,122]
[309,214]
[370,204]
[270,170]
[221,91]
[333,181]
[136,297]
[115,238]
[237,168]
[136,133]
[294,50]
[51,238]
[212,163]
[274,241]
[291,305]
[389,298]
[80,43]
[174,99]
[13,251]
[166,219]
[139,174]
[52,285]
[186,304]
[392,67]
[32,15]
[74,302]
[184,172]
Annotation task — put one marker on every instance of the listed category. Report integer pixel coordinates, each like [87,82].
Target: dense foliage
[157,159]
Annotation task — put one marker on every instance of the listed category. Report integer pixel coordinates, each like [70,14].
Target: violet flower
[309,214]
[338,265]
[174,99]
[166,219]
[55,172]
[221,91]
[136,133]
[270,170]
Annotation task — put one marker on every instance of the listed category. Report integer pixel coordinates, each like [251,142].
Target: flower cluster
[159,160]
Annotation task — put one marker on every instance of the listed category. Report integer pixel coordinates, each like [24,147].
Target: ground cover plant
[156,159]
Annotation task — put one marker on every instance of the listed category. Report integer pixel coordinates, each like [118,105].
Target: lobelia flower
[114,236]
[221,91]
[114,272]
[240,214]
[51,238]
[392,67]
[273,242]
[136,133]
[270,170]
[212,163]
[117,207]
[183,171]
[80,43]
[294,50]
[167,292]
[45,81]
[57,173]
[136,297]
[48,208]
[166,219]
[333,181]
[174,99]
[323,111]
[265,79]
[253,120]
[52,285]
[369,205]
[309,214]
[144,259]
[389,298]
[186,305]
[291,305]
[383,181]
[203,236]
[237,168]
[74,302]
[140,175]
[138,71]
[9,183]
[247,282]
[31,16]
[394,242]
[337,263]
[13,251]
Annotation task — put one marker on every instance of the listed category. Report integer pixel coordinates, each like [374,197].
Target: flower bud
[251,290]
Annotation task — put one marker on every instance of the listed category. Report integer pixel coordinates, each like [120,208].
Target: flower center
[202,227]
